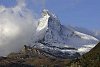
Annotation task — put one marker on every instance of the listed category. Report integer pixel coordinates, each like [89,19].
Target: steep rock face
[54,37]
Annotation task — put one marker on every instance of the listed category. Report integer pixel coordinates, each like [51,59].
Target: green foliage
[90,59]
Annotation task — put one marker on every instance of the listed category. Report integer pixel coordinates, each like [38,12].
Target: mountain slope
[90,59]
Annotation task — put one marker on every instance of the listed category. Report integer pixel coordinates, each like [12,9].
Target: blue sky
[81,13]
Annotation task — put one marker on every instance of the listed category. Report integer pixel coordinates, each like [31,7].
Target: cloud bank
[17,27]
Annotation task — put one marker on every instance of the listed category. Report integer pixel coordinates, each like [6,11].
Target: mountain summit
[60,40]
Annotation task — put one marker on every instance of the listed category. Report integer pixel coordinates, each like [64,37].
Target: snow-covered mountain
[59,40]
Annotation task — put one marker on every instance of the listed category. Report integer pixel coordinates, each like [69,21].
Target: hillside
[90,59]
[32,57]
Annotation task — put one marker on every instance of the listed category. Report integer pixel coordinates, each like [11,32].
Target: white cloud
[17,26]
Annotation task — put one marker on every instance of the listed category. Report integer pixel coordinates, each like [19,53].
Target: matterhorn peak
[52,34]
[47,20]
[43,22]
[45,12]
